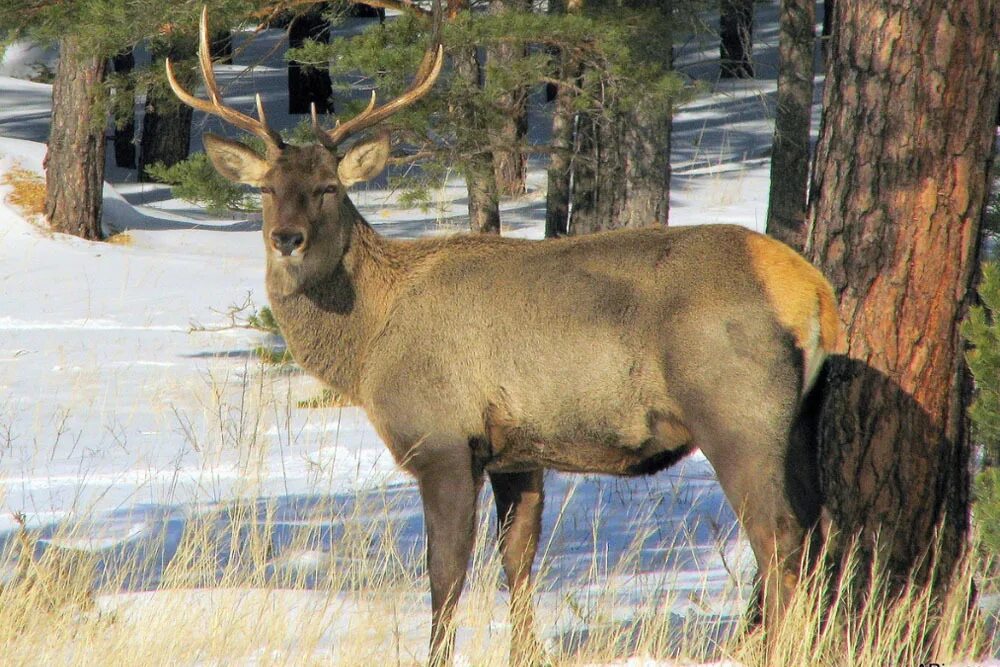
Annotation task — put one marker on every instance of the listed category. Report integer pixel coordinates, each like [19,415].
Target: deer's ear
[364,160]
[234,160]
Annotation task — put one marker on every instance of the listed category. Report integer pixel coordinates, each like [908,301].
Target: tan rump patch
[801,297]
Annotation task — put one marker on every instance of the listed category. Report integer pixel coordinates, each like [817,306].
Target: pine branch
[269,13]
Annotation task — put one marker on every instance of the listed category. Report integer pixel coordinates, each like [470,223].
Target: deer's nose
[287,242]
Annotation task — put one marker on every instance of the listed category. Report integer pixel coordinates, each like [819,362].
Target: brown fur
[616,353]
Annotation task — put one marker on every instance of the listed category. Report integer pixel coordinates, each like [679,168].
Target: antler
[215,106]
[427,74]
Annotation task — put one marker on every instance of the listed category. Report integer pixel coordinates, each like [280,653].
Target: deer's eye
[329,190]
[266,190]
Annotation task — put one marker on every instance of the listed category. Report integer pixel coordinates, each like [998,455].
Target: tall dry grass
[246,582]
[224,599]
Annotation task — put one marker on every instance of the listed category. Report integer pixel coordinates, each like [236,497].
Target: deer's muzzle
[287,242]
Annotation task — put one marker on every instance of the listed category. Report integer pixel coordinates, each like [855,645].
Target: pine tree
[899,187]
[786,211]
[89,34]
[982,331]
[467,109]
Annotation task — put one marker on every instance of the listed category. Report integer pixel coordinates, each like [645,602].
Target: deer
[480,356]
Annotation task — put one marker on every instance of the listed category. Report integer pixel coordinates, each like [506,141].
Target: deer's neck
[329,323]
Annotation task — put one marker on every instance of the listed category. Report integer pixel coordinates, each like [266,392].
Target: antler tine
[320,133]
[214,106]
[426,63]
[426,77]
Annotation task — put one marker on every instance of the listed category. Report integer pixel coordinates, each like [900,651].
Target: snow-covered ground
[121,418]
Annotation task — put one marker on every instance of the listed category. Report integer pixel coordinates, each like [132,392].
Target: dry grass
[121,238]
[27,191]
[225,600]
[245,585]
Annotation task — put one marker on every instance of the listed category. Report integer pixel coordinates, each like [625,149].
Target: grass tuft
[27,191]
[121,238]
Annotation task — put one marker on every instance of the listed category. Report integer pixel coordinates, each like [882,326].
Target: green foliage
[273,355]
[264,320]
[623,56]
[106,27]
[982,331]
[986,496]
[196,180]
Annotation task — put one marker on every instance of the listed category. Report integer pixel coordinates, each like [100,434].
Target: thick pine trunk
[621,163]
[786,210]
[646,156]
[124,63]
[308,85]
[480,176]
[74,164]
[166,123]
[898,191]
[736,39]
[510,165]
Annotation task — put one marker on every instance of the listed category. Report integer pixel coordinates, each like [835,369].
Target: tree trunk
[124,63]
[308,85]
[621,170]
[786,210]
[166,123]
[222,47]
[74,164]
[736,39]
[510,165]
[899,188]
[480,176]
[557,195]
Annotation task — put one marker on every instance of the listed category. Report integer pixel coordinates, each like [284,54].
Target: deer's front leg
[449,485]
[519,498]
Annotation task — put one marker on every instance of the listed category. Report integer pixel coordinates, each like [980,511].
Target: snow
[121,419]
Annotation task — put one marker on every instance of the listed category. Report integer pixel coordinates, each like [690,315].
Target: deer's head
[302,187]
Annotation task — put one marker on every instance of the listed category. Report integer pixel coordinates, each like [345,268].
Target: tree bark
[510,165]
[899,188]
[557,196]
[736,39]
[124,63]
[480,176]
[308,85]
[74,163]
[786,210]
[621,168]
[166,123]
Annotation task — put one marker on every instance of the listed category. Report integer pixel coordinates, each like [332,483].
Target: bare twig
[239,316]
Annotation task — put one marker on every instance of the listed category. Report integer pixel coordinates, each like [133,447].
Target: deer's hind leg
[519,499]
[772,485]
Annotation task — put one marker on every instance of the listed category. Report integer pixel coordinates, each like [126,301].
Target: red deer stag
[614,353]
